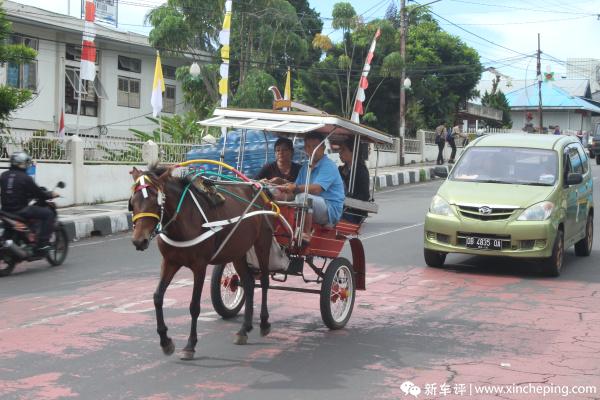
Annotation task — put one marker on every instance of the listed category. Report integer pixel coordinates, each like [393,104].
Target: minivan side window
[575,164]
[584,158]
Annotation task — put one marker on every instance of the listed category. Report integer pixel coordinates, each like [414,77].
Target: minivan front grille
[486,213]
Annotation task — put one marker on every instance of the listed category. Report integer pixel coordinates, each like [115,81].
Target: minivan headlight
[537,212]
[439,206]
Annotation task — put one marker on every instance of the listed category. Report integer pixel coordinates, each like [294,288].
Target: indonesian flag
[88,47]
[61,124]
[158,87]
[364,83]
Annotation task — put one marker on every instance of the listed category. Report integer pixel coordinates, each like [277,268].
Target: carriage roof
[289,122]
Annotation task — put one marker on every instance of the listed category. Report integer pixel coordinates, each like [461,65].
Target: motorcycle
[19,237]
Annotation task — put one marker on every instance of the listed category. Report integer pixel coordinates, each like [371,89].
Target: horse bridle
[141,185]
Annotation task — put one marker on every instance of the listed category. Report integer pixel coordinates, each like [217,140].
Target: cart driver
[325,188]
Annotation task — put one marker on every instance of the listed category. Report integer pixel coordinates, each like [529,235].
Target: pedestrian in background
[440,140]
[458,133]
[557,130]
[451,141]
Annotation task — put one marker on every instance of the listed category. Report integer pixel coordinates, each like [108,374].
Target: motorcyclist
[17,189]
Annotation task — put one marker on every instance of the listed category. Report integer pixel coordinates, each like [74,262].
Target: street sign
[107,11]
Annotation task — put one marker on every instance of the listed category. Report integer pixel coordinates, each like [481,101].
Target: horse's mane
[157,170]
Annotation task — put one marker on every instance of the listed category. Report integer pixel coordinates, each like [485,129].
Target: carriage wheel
[59,244]
[337,293]
[226,291]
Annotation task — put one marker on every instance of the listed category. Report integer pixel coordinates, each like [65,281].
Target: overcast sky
[503,32]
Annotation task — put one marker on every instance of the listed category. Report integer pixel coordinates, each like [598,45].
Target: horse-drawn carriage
[239,239]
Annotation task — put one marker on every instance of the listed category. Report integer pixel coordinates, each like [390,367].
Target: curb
[398,178]
[111,222]
[98,225]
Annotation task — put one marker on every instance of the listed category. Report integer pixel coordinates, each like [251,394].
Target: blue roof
[552,97]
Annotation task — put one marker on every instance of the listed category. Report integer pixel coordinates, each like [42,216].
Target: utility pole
[402,78]
[539,78]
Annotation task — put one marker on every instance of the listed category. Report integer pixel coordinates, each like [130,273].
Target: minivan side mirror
[574,178]
[440,171]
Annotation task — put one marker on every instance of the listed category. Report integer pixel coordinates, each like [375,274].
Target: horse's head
[146,203]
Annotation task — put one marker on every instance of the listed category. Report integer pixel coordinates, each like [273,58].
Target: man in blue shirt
[325,188]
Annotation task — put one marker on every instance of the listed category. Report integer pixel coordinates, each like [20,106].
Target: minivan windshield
[509,165]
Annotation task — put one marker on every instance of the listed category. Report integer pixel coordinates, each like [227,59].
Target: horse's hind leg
[167,273]
[190,348]
[248,281]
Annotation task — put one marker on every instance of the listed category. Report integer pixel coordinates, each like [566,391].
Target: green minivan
[514,195]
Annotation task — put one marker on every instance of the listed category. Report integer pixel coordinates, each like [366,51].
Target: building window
[22,76]
[90,92]
[168,71]
[128,92]
[169,99]
[130,64]
[73,53]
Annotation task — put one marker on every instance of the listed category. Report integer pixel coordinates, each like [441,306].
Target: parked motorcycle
[18,239]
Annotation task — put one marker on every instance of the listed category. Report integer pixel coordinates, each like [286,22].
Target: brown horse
[155,199]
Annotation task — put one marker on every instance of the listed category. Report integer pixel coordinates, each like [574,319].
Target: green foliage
[11,98]
[265,34]
[498,101]
[254,93]
[344,16]
[444,72]
[178,128]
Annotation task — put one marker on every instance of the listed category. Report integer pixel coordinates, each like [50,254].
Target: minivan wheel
[434,259]
[583,248]
[552,266]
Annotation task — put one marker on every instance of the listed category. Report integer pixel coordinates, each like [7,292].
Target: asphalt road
[86,329]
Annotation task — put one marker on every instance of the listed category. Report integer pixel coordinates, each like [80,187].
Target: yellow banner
[225,53]
[227,21]
[223,86]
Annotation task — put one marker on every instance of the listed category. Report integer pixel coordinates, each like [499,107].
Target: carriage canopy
[286,122]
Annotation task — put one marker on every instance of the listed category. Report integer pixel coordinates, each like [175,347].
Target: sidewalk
[108,218]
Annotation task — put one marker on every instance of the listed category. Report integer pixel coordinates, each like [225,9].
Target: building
[119,98]
[570,113]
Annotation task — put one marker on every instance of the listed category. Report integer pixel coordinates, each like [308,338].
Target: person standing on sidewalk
[440,140]
[450,139]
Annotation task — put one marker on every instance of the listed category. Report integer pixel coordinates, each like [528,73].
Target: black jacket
[17,189]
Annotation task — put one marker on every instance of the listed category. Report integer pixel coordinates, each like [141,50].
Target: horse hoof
[265,331]
[169,348]
[241,340]
[187,355]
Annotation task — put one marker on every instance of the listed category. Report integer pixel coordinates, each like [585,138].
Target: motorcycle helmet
[20,159]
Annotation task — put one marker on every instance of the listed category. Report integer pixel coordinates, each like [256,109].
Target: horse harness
[213,227]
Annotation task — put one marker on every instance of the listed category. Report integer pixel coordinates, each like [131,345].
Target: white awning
[287,122]
[262,124]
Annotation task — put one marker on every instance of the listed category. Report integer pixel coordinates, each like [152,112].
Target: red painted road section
[426,326]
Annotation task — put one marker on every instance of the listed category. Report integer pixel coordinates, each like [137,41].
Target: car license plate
[482,243]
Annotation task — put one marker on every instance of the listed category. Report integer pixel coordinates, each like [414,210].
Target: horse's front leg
[265,325]
[190,348]
[248,281]
[166,275]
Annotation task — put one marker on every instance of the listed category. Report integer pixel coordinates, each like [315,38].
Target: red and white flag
[88,47]
[61,124]
[364,83]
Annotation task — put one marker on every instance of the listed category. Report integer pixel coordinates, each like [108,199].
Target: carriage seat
[361,205]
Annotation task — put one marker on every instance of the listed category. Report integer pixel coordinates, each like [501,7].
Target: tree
[498,100]
[443,71]
[11,98]
[265,34]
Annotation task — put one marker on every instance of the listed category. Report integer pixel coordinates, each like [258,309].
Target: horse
[184,216]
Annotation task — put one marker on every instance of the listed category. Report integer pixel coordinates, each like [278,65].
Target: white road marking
[100,242]
[392,231]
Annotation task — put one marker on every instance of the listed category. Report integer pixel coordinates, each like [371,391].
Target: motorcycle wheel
[60,246]
[6,266]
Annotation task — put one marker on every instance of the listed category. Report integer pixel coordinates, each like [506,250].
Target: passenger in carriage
[361,181]
[325,188]
[283,169]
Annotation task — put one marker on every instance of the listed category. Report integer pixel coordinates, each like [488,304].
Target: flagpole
[160,126]
[78,108]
